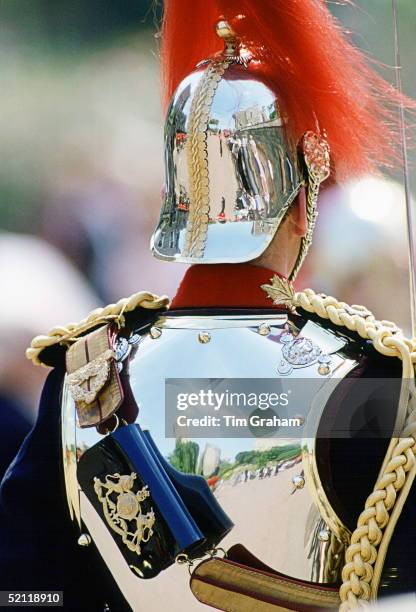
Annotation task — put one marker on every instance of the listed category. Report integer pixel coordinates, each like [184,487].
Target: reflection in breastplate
[269,487]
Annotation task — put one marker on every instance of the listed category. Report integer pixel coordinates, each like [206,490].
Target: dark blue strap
[170,505]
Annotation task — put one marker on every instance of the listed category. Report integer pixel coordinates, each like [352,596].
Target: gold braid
[110,313]
[365,555]
[197,156]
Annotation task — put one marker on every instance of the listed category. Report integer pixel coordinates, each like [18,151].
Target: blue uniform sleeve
[38,545]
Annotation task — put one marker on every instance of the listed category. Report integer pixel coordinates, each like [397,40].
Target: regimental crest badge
[122,509]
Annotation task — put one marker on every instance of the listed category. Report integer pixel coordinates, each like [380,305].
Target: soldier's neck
[281,255]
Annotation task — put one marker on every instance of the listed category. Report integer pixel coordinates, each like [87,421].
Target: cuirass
[282,516]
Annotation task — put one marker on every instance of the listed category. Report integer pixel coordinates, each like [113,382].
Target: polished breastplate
[281,512]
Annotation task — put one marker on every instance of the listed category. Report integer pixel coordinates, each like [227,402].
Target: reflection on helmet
[231,170]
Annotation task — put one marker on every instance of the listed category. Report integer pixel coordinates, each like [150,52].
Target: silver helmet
[232,172]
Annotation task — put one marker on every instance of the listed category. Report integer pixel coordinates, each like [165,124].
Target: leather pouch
[137,501]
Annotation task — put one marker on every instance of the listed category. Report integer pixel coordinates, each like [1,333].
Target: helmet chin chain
[316,155]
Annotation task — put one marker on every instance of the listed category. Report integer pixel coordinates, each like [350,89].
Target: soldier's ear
[298,214]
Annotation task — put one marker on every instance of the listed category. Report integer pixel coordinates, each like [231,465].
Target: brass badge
[122,509]
[317,157]
[280,291]
[85,383]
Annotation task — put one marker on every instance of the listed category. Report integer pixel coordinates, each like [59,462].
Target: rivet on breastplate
[264,329]
[324,362]
[84,540]
[298,481]
[155,333]
[204,337]
[324,535]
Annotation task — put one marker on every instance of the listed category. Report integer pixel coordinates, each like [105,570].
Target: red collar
[223,286]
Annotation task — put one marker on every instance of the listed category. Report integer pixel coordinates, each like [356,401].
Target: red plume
[321,80]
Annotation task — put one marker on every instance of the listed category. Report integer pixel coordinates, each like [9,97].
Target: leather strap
[93,379]
[227,584]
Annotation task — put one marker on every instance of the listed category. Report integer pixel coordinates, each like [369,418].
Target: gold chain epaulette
[113,313]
